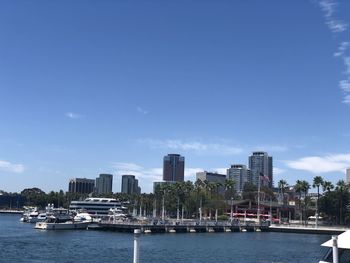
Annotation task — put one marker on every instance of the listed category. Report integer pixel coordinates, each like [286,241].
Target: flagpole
[258,213]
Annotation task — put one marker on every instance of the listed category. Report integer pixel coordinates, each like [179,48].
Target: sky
[90,87]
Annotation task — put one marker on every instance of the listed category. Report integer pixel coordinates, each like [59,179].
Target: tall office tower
[260,164]
[348,175]
[104,184]
[81,185]
[213,178]
[173,168]
[240,174]
[130,185]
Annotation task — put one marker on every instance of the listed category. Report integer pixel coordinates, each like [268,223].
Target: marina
[22,243]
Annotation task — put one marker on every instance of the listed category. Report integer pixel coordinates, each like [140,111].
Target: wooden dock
[178,228]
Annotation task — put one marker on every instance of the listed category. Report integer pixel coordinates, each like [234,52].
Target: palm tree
[341,188]
[199,186]
[327,186]
[229,187]
[302,187]
[318,181]
[282,184]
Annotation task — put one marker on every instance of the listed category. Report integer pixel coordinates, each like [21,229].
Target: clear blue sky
[89,87]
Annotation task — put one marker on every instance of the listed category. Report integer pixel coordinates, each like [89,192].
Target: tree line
[190,199]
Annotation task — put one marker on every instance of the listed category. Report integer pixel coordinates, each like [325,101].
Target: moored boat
[68,225]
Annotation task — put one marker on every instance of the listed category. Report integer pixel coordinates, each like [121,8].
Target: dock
[147,228]
[178,228]
[6,211]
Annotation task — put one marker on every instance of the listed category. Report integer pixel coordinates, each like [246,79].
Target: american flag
[264,178]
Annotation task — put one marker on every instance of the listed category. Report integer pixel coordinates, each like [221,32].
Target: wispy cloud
[321,164]
[194,146]
[147,176]
[73,115]
[277,171]
[337,26]
[271,148]
[342,48]
[328,8]
[10,167]
[141,110]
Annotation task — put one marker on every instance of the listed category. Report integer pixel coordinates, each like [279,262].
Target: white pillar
[182,213]
[163,209]
[137,233]
[335,249]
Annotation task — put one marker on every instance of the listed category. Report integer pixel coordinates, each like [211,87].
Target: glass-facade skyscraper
[130,185]
[104,184]
[261,167]
[173,168]
[240,174]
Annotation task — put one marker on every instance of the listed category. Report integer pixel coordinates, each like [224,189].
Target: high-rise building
[260,165]
[348,175]
[130,185]
[213,178]
[81,185]
[240,174]
[174,168]
[104,184]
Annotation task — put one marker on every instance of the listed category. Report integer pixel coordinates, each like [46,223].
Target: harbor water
[20,242]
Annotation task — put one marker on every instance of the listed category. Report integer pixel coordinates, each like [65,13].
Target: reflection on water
[20,242]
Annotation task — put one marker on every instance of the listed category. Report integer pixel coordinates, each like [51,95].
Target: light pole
[231,217]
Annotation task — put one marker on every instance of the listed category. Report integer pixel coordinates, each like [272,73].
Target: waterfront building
[130,185]
[348,175]
[240,175]
[96,206]
[81,186]
[173,168]
[260,165]
[104,184]
[213,178]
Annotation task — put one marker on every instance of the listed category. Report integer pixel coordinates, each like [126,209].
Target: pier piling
[137,233]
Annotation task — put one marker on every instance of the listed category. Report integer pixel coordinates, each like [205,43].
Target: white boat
[33,217]
[96,206]
[83,217]
[68,225]
[343,249]
[29,215]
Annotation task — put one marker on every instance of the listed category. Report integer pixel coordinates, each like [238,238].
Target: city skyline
[90,88]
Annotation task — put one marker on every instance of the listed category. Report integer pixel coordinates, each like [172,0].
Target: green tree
[282,184]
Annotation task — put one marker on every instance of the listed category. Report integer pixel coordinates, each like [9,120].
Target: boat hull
[62,226]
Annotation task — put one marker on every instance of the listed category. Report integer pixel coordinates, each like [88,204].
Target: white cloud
[336,26]
[319,164]
[277,171]
[141,110]
[73,115]
[147,176]
[221,170]
[342,48]
[271,148]
[347,65]
[346,99]
[10,167]
[328,7]
[127,166]
[195,146]
[345,85]
[190,173]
